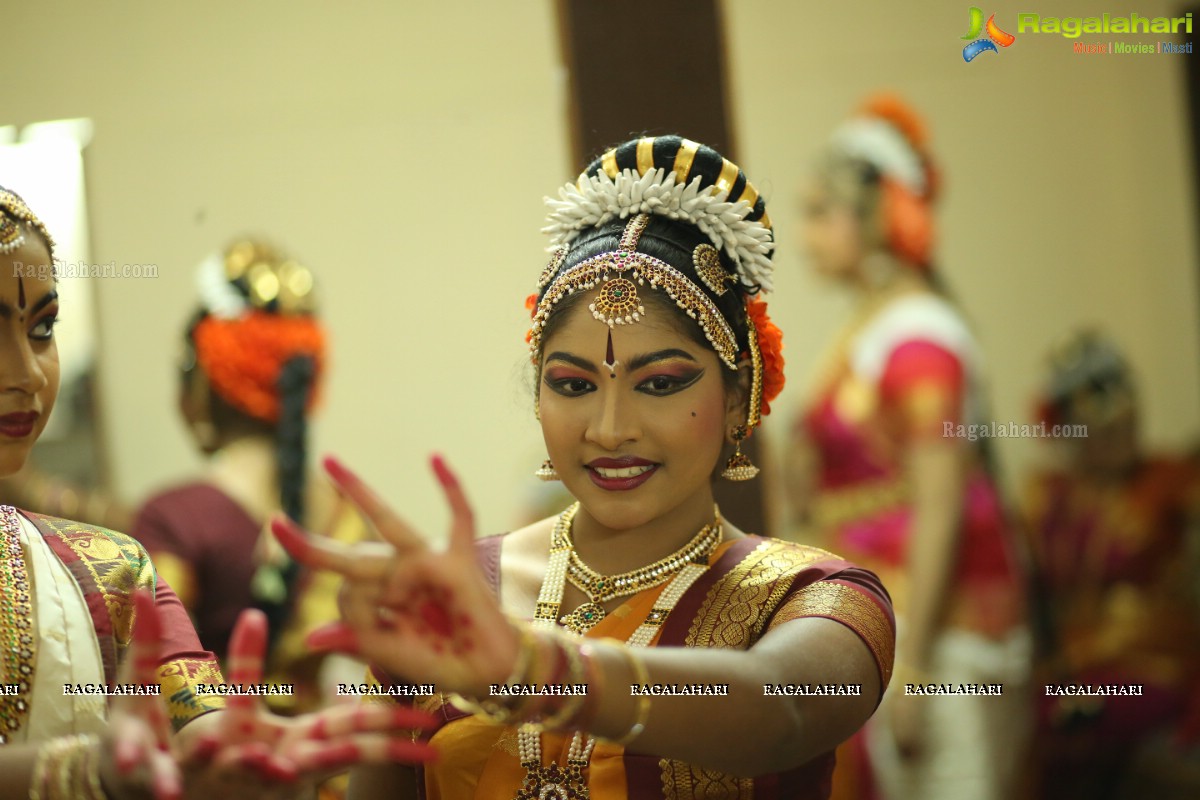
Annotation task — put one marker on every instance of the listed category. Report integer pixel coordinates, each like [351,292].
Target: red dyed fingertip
[205,748]
[411,751]
[412,718]
[444,475]
[290,536]
[336,636]
[337,470]
[279,770]
[249,638]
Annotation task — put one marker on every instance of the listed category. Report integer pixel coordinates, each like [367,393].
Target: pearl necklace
[557,782]
[16,625]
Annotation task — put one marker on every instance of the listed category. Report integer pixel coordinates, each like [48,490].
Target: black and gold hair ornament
[677,178]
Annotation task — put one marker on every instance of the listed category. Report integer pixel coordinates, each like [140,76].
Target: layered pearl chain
[682,568]
[16,625]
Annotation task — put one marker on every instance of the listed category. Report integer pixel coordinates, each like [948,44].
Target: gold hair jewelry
[707,261]
[619,274]
[16,625]
[739,467]
[268,278]
[754,414]
[551,269]
[11,235]
[546,472]
[13,212]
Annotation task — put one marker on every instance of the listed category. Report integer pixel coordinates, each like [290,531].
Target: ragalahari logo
[995,36]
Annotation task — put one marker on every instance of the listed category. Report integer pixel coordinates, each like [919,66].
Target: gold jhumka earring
[546,472]
[739,467]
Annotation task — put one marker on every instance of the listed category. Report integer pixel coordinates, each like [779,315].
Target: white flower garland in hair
[217,294]
[879,143]
[748,243]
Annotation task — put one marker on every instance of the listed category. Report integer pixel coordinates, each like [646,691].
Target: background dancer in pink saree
[889,489]
[719,664]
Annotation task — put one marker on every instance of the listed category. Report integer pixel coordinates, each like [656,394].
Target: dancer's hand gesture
[422,614]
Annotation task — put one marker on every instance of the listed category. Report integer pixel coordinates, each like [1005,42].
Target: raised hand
[247,737]
[424,615]
[136,754]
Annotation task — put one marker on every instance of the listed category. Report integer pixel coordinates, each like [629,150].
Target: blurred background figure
[882,481]
[251,371]
[1116,539]
[56,496]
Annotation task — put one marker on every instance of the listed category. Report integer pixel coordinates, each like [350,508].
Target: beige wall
[402,151]
[1068,187]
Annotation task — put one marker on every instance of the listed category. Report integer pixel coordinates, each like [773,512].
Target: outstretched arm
[429,617]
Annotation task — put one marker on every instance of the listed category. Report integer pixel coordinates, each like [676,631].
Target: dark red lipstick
[19,424]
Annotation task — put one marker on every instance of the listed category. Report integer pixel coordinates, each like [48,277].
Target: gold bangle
[574,702]
[641,677]
[593,677]
[498,711]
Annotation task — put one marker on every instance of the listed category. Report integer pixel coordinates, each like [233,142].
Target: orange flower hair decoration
[258,307]
[243,358]
[531,307]
[770,345]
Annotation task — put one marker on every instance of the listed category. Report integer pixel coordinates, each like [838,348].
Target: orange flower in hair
[901,115]
[770,344]
[904,118]
[531,307]
[243,357]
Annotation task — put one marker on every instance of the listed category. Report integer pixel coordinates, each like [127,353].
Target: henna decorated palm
[245,750]
[424,615]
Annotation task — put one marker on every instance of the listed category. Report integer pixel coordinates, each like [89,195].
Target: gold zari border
[851,608]
[732,616]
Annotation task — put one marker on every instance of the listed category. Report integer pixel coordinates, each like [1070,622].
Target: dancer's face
[637,442]
[833,235]
[28,353]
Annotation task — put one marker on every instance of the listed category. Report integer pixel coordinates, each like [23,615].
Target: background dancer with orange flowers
[254,357]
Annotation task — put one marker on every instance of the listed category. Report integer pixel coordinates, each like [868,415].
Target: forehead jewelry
[618,275]
[11,236]
[14,212]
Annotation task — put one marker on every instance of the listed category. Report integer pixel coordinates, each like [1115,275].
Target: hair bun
[677,178]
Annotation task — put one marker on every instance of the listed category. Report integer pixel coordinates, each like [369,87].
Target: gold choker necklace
[602,588]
